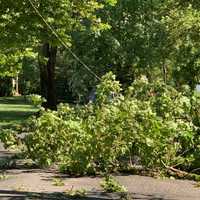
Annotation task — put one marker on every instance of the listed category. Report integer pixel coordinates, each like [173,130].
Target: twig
[194,170]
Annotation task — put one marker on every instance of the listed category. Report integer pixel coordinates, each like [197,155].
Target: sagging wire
[62,41]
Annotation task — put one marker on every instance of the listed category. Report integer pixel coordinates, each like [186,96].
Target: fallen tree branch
[181,174]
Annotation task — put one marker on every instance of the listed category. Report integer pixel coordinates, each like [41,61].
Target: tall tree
[24,24]
[134,45]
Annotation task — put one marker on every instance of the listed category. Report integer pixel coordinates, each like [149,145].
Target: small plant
[197,184]
[126,196]
[110,184]
[3,176]
[76,193]
[21,188]
[36,100]
[8,138]
[58,182]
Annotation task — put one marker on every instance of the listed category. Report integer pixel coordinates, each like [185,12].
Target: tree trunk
[51,87]
[13,87]
[47,64]
[17,85]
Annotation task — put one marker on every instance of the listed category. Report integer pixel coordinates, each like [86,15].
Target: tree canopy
[130,38]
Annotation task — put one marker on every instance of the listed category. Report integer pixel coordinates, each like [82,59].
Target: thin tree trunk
[13,87]
[164,69]
[17,85]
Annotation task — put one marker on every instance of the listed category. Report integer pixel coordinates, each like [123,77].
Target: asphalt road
[26,184]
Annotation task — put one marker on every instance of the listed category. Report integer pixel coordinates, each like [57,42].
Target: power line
[62,41]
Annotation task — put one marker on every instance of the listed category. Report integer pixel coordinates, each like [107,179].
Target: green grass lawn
[14,110]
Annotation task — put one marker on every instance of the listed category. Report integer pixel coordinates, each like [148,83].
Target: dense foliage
[151,120]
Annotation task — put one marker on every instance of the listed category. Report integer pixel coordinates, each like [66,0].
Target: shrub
[8,138]
[36,100]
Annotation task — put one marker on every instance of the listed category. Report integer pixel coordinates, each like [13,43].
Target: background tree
[23,26]
[148,37]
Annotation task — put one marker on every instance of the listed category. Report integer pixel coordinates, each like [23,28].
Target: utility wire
[62,41]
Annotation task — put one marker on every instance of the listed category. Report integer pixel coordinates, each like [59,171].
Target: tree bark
[47,64]
[51,87]
[17,85]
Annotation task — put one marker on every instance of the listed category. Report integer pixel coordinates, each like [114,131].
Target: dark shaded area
[13,100]
[11,118]
[5,87]
[8,116]
[7,159]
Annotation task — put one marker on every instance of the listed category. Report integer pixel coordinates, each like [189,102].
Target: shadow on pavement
[19,195]
[22,195]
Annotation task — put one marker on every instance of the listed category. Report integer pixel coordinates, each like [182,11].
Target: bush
[8,138]
[153,121]
[36,100]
